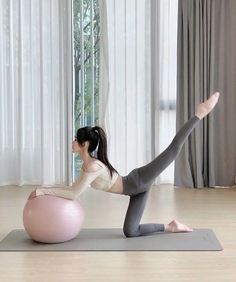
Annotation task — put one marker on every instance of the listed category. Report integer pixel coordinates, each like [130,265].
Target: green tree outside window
[86,66]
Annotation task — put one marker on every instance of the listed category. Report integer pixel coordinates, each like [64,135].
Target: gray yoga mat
[114,240]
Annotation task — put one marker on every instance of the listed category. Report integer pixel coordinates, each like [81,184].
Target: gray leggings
[138,183]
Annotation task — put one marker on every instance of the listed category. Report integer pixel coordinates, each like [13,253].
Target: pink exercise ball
[50,219]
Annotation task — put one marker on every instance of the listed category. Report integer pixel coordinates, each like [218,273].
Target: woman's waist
[117,187]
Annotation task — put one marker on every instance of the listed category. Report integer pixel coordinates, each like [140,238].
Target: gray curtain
[207,63]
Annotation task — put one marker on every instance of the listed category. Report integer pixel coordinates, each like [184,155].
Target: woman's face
[76,146]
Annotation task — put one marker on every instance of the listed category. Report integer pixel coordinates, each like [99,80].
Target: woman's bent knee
[130,232]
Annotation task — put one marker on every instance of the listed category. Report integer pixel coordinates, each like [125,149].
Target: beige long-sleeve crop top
[99,179]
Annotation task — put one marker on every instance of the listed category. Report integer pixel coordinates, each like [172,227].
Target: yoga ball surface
[51,219]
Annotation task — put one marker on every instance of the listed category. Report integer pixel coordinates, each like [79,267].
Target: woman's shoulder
[93,166]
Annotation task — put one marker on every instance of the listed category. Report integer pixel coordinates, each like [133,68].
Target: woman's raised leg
[149,172]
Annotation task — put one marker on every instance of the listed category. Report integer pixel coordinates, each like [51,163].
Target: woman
[100,174]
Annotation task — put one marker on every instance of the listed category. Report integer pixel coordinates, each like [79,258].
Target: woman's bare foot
[206,107]
[174,226]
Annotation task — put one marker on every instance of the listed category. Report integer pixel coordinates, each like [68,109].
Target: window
[86,66]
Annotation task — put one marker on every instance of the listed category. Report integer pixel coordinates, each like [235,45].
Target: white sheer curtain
[126,105]
[138,69]
[35,91]
[165,28]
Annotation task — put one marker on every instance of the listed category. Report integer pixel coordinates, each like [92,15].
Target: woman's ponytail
[102,148]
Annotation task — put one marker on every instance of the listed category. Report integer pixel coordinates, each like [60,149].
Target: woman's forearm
[67,193]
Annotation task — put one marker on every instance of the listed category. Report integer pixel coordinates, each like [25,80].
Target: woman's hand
[32,195]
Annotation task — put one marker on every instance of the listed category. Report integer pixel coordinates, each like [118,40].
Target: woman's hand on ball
[32,195]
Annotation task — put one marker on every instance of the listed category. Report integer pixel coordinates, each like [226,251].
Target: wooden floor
[207,208]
